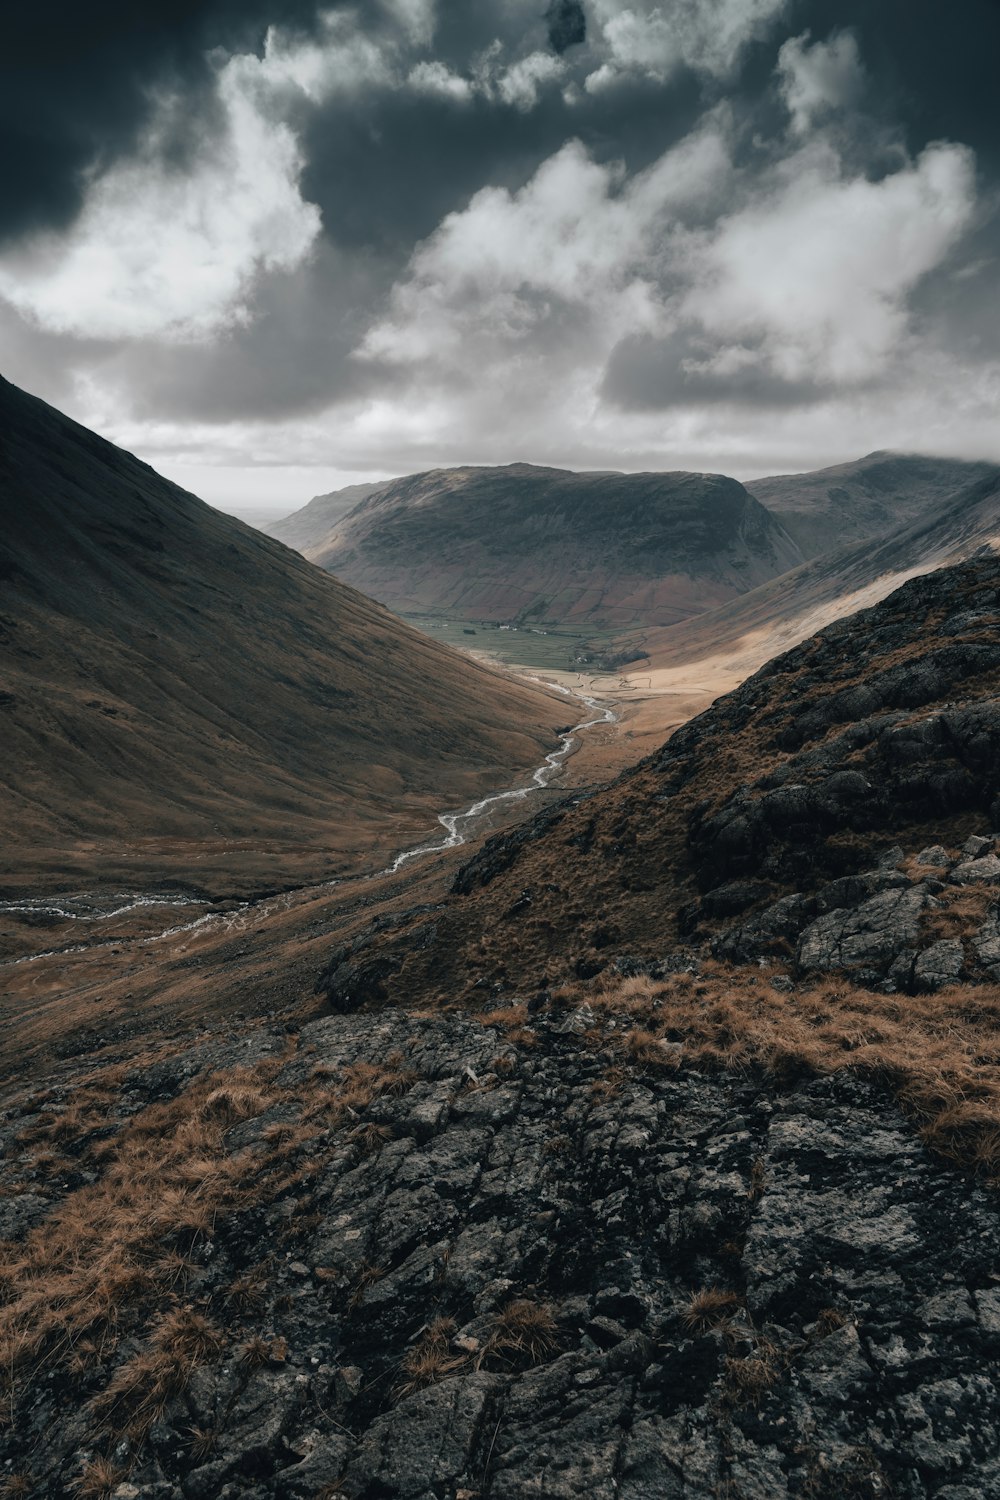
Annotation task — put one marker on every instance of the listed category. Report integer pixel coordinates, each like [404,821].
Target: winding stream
[458,826]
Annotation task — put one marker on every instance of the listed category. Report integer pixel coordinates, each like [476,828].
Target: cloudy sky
[273,248]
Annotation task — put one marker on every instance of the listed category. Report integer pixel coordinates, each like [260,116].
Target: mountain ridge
[185,697]
[542,544]
[866,497]
[730,643]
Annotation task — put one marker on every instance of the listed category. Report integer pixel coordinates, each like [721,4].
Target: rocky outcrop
[525,1278]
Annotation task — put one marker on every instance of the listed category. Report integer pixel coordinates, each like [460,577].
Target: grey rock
[982,871]
[939,965]
[21,1213]
[986,943]
[977,845]
[817,1203]
[869,937]
[427,1441]
[935,855]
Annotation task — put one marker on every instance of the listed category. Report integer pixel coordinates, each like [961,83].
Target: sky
[275,249]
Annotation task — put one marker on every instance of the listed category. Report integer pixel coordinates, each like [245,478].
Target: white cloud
[416,17]
[521,83]
[161,253]
[817,80]
[579,234]
[344,60]
[818,269]
[435,78]
[656,39]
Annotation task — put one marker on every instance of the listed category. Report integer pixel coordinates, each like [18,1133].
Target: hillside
[185,698]
[658,1159]
[869,497]
[880,730]
[309,526]
[545,545]
[724,645]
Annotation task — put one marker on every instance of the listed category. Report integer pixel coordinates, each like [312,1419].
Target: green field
[553,650]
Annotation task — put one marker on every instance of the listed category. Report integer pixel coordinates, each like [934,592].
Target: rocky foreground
[658,1161]
[513,1268]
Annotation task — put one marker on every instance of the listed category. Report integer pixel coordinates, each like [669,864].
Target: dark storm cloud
[648,374]
[933,66]
[292,358]
[406,118]
[368,160]
[567,24]
[77,80]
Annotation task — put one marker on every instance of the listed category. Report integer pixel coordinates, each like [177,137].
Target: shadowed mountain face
[543,545]
[184,697]
[728,643]
[870,497]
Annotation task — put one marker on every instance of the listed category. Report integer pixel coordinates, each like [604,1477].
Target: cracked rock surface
[745,1291]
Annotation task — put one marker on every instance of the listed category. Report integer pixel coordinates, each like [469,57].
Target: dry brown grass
[100,1477]
[365,1278]
[940,1053]
[512,1020]
[259,1351]
[961,910]
[431,1358]
[524,1331]
[747,1381]
[345,1093]
[16,1486]
[111,1257]
[138,1393]
[710,1307]
[828,1320]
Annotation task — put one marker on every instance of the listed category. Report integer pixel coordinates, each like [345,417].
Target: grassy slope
[182,696]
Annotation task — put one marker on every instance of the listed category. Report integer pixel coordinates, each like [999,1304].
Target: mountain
[881,729]
[309,526]
[183,697]
[830,508]
[545,545]
[656,1161]
[723,646]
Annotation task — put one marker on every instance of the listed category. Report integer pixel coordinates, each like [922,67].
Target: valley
[500,751]
[435,1049]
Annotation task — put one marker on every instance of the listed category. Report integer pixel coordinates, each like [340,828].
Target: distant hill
[183,697]
[527,543]
[723,646]
[869,497]
[311,525]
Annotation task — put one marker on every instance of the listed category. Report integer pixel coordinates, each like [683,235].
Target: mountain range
[610,552]
[869,497]
[547,545]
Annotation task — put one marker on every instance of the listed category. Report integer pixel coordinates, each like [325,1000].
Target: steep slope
[723,646]
[882,730]
[182,696]
[308,527]
[830,508]
[547,545]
